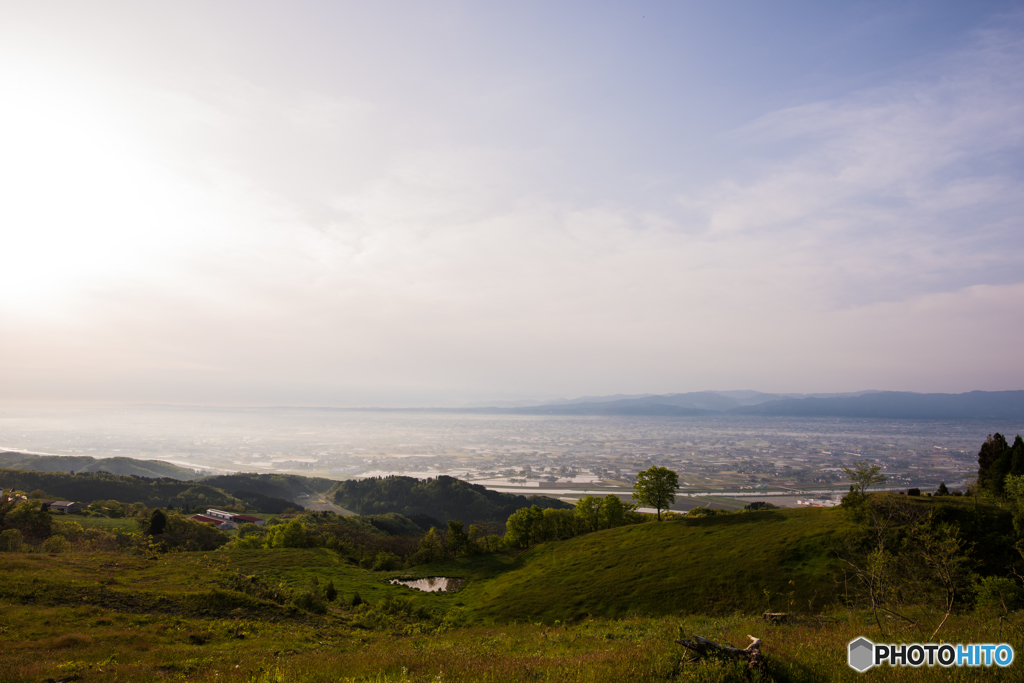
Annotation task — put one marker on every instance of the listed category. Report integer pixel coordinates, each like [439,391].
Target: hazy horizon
[405,204]
[454,403]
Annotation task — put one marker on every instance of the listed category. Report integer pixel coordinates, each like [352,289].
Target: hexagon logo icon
[861,654]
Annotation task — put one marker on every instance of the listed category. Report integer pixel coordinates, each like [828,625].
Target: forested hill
[86,463]
[86,487]
[442,498]
[289,486]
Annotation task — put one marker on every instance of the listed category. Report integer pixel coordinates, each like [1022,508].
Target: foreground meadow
[187,616]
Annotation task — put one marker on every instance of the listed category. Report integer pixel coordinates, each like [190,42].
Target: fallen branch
[702,646]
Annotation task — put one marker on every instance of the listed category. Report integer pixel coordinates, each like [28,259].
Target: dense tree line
[262,503]
[591,513]
[275,485]
[90,486]
[996,460]
[441,498]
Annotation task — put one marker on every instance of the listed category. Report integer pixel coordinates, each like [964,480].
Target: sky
[408,203]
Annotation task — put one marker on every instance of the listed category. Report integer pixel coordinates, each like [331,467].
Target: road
[320,504]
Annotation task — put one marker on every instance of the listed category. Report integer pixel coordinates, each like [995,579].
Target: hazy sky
[385,203]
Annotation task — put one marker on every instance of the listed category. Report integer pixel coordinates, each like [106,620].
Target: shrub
[310,600]
[11,540]
[56,544]
[290,535]
[29,517]
[97,539]
[258,588]
[386,561]
[996,592]
[706,512]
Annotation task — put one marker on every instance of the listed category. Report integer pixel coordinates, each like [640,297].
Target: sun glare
[85,196]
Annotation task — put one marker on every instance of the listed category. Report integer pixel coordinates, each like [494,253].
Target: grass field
[104,617]
[606,606]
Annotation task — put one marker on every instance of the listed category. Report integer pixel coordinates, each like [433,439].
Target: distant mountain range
[981,405]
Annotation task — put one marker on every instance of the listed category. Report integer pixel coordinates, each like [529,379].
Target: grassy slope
[709,565]
[107,617]
[112,616]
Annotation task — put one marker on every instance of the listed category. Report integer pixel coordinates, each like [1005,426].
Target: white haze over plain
[412,204]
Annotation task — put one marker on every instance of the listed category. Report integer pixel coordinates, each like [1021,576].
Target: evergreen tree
[1017,457]
[992,465]
[157,522]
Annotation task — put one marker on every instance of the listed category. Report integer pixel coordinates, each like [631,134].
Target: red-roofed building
[219,523]
[246,519]
[232,517]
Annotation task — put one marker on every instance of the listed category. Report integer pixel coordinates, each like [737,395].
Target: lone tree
[863,475]
[656,488]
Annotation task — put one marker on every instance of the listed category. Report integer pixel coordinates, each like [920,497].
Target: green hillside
[606,606]
[709,565]
[782,560]
[84,463]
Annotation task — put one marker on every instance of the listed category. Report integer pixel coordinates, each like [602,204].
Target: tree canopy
[656,488]
[996,460]
[864,475]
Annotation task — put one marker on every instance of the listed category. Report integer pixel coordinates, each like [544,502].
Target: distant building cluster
[816,503]
[226,520]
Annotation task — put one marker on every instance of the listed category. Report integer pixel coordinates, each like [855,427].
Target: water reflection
[431,584]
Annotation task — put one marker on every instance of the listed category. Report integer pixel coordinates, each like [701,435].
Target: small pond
[431,584]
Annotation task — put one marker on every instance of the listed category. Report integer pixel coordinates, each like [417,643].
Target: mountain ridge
[865,404]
